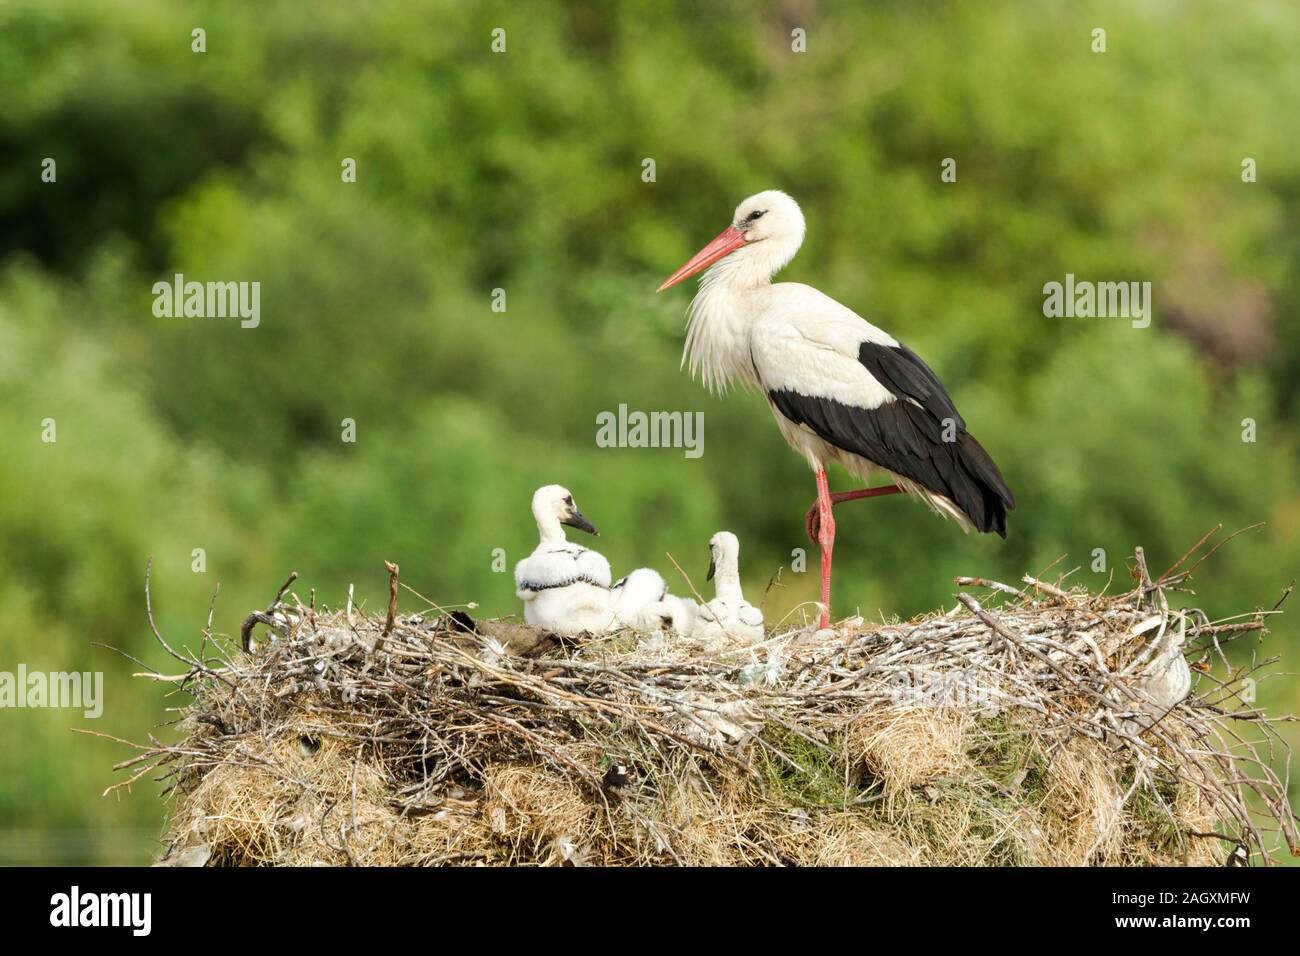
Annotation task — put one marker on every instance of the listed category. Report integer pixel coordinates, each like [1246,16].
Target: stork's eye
[756,215]
[569,501]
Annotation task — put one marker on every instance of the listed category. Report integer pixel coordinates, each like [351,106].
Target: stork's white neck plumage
[735,290]
[548,528]
[724,547]
[717,333]
[726,582]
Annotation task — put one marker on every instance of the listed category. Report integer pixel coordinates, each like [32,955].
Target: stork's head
[553,503]
[724,554]
[765,233]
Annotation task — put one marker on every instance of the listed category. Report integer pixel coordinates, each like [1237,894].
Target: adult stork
[840,388]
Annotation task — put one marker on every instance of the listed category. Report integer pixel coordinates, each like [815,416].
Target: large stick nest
[1013,729]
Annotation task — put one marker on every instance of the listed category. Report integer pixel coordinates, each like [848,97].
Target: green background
[523,171]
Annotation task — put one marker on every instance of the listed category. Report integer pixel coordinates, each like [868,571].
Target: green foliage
[522,171]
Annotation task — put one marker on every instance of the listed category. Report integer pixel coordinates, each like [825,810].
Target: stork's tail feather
[986,499]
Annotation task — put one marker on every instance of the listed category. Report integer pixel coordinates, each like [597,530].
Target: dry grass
[1008,734]
[906,747]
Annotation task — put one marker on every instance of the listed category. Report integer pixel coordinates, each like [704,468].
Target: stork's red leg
[812,520]
[826,538]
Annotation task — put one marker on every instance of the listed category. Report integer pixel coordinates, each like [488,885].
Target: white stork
[840,388]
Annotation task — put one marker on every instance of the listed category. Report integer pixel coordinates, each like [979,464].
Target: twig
[392,604]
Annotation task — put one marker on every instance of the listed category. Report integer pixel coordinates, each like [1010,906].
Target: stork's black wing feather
[905,374]
[907,435]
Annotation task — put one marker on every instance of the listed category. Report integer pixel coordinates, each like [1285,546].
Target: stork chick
[670,614]
[1166,681]
[632,595]
[564,586]
[728,614]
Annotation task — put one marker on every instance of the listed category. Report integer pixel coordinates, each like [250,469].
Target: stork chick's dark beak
[576,519]
[713,567]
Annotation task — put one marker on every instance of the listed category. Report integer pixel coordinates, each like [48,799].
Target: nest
[1013,729]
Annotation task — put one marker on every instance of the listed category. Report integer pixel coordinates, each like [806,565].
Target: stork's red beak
[729,240]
